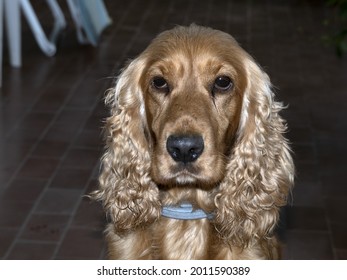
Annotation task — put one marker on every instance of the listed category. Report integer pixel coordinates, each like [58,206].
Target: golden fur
[243,175]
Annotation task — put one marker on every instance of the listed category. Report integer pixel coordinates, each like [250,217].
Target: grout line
[37,242]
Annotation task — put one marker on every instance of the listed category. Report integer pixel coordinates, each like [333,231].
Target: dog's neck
[186,202]
[185,211]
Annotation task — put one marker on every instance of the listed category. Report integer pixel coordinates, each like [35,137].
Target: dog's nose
[185,148]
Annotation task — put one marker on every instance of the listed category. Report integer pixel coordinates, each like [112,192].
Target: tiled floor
[51,112]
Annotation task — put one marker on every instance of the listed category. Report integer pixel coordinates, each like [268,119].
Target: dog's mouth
[185,173]
[184,178]
[189,168]
[196,173]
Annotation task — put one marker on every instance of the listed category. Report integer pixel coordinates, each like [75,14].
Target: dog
[196,164]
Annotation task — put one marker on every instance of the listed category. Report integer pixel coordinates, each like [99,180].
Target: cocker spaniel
[196,164]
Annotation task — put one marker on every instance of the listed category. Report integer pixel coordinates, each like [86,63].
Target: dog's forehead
[201,64]
[181,65]
[194,35]
[203,48]
[193,43]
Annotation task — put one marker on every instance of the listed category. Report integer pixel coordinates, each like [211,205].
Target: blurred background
[52,112]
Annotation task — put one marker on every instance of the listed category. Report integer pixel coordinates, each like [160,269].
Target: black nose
[185,148]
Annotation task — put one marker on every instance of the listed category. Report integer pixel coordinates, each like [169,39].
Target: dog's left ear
[126,189]
[260,172]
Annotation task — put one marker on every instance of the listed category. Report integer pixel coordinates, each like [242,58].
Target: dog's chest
[181,239]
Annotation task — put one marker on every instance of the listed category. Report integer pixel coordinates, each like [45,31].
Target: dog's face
[193,91]
[195,111]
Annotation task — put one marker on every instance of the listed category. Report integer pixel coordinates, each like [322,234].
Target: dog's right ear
[129,195]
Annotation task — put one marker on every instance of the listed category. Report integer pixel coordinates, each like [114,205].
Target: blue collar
[185,211]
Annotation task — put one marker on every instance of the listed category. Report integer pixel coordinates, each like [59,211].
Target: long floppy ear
[128,194]
[260,171]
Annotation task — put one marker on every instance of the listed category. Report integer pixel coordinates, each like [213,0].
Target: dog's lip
[189,168]
[184,177]
[186,173]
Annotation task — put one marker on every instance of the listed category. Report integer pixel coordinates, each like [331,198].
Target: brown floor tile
[91,94]
[90,214]
[339,235]
[37,122]
[308,245]
[6,174]
[81,244]
[32,251]
[50,149]
[307,194]
[11,115]
[58,201]
[52,100]
[13,213]
[89,139]
[61,132]
[300,134]
[81,158]
[341,254]
[306,172]
[24,190]
[72,117]
[94,124]
[92,186]
[13,152]
[70,178]
[45,227]
[6,238]
[306,218]
[336,209]
[100,111]
[22,136]
[304,152]
[38,168]
[334,181]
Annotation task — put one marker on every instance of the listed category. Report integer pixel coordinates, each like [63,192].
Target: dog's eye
[160,83]
[222,83]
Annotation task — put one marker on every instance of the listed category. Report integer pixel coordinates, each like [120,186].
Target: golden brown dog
[196,164]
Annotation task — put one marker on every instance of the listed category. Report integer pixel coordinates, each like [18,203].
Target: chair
[90,18]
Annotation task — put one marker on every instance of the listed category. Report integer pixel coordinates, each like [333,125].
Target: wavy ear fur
[128,194]
[260,171]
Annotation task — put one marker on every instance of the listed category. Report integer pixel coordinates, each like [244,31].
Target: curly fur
[244,137]
[260,171]
[126,189]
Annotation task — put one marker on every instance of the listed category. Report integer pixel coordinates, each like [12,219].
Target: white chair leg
[46,46]
[76,16]
[59,19]
[13,26]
